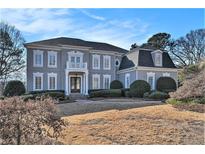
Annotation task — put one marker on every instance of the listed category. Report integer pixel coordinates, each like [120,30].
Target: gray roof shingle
[145,59]
[79,42]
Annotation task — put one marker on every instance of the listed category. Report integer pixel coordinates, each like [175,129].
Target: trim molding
[162,69]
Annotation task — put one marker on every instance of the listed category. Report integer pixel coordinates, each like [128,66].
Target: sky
[120,27]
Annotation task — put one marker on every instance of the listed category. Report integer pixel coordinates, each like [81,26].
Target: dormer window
[158,59]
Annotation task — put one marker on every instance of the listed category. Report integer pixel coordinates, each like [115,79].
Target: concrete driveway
[89,106]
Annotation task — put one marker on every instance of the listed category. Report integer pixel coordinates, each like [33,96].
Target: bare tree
[11,50]
[29,122]
[189,49]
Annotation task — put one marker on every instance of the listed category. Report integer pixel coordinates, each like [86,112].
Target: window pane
[150,81]
[38,59]
[52,82]
[72,59]
[52,60]
[96,83]
[77,59]
[127,81]
[38,83]
[107,62]
[96,61]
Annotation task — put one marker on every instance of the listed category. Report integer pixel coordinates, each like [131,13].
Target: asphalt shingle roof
[145,59]
[79,42]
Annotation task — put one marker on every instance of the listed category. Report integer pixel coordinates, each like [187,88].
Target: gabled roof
[79,42]
[145,59]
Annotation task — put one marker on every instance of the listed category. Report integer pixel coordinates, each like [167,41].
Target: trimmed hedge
[138,88]
[57,94]
[45,91]
[158,95]
[106,93]
[116,84]
[166,84]
[125,92]
[14,88]
[93,90]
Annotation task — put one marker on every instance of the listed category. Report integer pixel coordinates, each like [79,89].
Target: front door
[75,84]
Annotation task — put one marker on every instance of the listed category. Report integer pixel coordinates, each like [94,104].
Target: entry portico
[76,74]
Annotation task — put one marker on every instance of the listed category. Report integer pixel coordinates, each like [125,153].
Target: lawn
[160,124]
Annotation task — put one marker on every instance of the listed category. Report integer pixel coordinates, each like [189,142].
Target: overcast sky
[120,27]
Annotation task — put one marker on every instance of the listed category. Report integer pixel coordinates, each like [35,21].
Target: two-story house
[75,65]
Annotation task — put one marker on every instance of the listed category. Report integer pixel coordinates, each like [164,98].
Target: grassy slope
[160,124]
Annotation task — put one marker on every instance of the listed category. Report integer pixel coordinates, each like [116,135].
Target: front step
[77,96]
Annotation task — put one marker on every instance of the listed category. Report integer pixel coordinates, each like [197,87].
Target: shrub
[158,95]
[23,122]
[28,97]
[138,88]
[125,92]
[14,88]
[116,84]
[1,97]
[106,93]
[58,95]
[192,88]
[166,84]
[175,101]
[93,90]
[45,91]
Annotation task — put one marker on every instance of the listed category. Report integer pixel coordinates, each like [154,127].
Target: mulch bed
[191,107]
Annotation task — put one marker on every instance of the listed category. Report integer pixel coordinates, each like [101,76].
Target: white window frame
[166,74]
[109,59]
[126,76]
[96,76]
[98,57]
[151,74]
[35,52]
[160,57]
[75,54]
[55,76]
[34,80]
[52,53]
[104,77]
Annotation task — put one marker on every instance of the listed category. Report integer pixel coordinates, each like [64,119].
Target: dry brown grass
[160,124]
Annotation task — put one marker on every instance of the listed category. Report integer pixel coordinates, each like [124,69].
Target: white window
[127,80]
[96,81]
[96,61]
[52,81]
[158,59]
[37,58]
[37,81]
[106,81]
[166,74]
[52,59]
[151,79]
[106,62]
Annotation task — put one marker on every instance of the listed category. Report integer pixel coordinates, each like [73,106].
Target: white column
[83,83]
[68,85]
[86,83]
[66,82]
